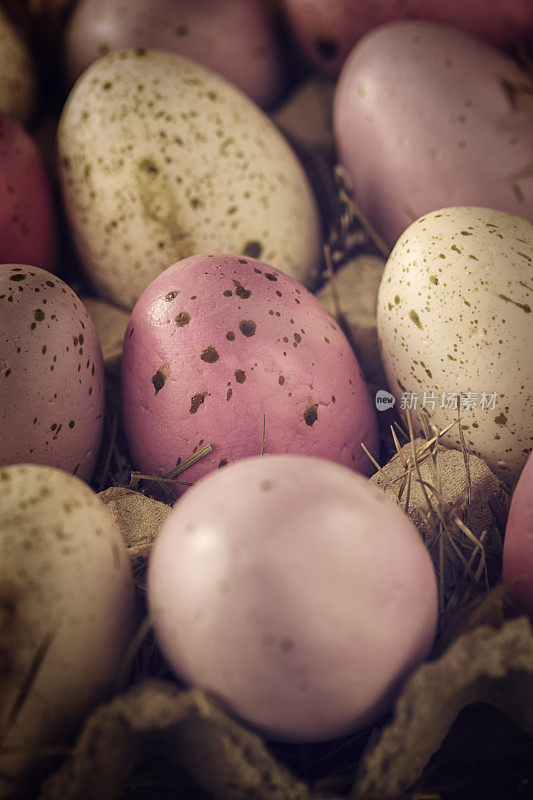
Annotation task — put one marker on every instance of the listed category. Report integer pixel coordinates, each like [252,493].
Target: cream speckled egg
[162,159]
[454,316]
[17,78]
[66,592]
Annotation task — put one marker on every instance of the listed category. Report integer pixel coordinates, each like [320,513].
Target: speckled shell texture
[235,37]
[51,373]
[66,579]
[296,591]
[425,117]
[216,342]
[161,159]
[328,29]
[518,542]
[455,315]
[17,79]
[27,216]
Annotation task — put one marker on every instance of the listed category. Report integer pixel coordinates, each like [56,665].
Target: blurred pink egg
[427,117]
[27,217]
[235,38]
[326,30]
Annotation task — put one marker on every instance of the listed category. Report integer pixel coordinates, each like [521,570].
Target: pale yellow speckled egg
[161,158]
[456,329]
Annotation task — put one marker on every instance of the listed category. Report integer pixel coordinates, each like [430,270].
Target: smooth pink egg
[518,543]
[428,117]
[296,591]
[27,217]
[215,344]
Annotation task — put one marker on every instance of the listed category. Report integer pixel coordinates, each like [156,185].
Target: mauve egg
[27,218]
[327,29]
[518,542]
[235,38]
[51,373]
[215,343]
[296,591]
[426,117]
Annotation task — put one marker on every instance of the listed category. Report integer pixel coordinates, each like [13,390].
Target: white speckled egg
[66,593]
[51,373]
[17,79]
[454,316]
[161,159]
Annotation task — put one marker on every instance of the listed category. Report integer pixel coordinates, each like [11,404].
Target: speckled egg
[51,373]
[327,29]
[454,316]
[17,78]
[161,159]
[426,116]
[66,606]
[296,591]
[27,217]
[518,542]
[235,38]
[215,343]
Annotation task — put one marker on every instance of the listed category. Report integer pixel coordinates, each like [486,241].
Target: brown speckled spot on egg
[19,276]
[182,319]
[281,380]
[247,327]
[227,293]
[241,291]
[228,394]
[222,463]
[171,295]
[160,377]
[38,315]
[230,336]
[196,402]
[240,375]
[413,316]
[311,414]
[501,419]
[210,354]
[270,276]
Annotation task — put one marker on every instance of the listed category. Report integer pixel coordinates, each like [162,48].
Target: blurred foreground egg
[294,590]
[518,542]
[215,343]
[425,117]
[455,325]
[161,159]
[66,607]
[51,373]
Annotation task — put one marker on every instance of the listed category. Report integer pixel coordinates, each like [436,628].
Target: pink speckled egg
[51,373]
[327,29]
[27,218]
[428,117]
[235,38]
[216,342]
[518,542]
[296,591]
